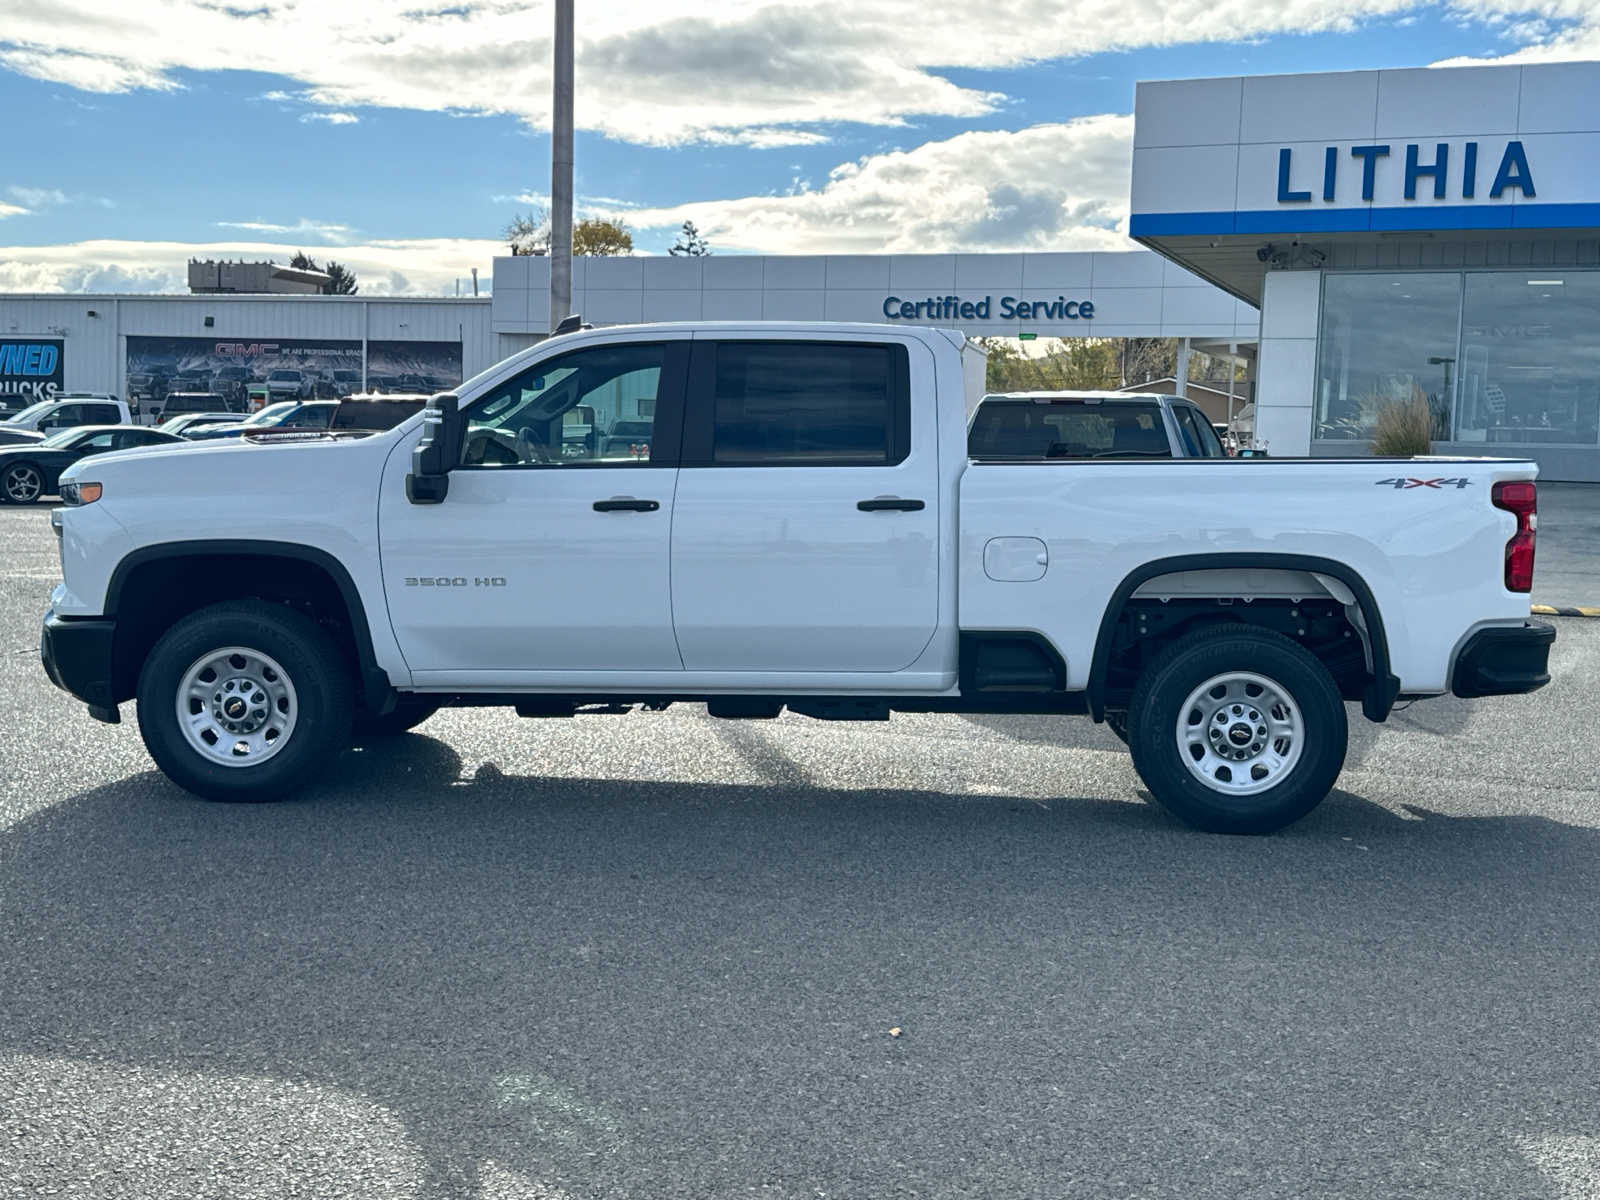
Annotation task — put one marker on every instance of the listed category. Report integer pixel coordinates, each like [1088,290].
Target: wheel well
[1331,615]
[149,596]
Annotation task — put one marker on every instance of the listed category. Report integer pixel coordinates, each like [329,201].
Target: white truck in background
[803,528]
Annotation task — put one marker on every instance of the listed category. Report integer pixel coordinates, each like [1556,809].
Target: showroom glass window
[1385,338]
[1530,358]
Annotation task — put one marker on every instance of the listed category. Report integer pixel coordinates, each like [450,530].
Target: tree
[529,234]
[1066,364]
[606,239]
[690,243]
[341,280]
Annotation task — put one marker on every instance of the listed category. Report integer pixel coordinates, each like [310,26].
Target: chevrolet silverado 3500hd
[801,527]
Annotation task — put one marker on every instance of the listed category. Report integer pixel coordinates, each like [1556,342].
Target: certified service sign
[30,370]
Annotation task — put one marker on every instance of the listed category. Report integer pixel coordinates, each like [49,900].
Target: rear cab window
[1067,429]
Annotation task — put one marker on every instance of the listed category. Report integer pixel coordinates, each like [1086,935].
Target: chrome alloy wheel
[1240,733]
[236,706]
[23,484]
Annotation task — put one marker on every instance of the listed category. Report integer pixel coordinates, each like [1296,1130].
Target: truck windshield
[1067,429]
[32,410]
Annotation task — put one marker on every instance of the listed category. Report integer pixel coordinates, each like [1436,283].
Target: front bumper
[77,655]
[1504,660]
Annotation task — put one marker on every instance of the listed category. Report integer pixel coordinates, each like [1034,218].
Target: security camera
[1266,252]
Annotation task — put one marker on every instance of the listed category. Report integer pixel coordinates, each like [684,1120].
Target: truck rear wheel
[1237,730]
[244,701]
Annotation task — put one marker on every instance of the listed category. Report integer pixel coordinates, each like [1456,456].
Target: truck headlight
[76,494]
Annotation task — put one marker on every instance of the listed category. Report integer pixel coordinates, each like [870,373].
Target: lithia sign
[1511,175]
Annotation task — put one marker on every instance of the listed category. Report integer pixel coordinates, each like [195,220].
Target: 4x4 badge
[1398,483]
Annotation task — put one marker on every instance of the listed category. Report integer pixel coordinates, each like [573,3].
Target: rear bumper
[77,657]
[1504,660]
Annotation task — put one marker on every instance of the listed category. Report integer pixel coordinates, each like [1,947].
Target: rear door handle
[890,504]
[626,504]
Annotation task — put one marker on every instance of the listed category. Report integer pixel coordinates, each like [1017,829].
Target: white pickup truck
[802,528]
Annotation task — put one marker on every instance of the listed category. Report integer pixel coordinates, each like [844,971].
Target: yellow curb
[1545,610]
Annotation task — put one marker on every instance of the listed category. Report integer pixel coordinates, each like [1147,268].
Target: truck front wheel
[244,701]
[1237,730]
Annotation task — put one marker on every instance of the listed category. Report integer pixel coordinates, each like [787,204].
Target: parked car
[1090,425]
[290,383]
[382,384]
[29,472]
[816,539]
[64,414]
[186,424]
[19,437]
[628,439]
[178,403]
[283,416]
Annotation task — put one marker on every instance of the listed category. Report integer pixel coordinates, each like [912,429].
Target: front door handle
[890,504]
[626,504]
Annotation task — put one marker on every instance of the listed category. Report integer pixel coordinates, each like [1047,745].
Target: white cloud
[37,197]
[325,230]
[1057,187]
[332,118]
[416,266]
[11,210]
[765,73]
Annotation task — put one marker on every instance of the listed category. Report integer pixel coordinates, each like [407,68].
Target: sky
[399,138]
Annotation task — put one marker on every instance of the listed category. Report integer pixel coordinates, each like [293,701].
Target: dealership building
[1430,233]
[103,343]
[1354,238]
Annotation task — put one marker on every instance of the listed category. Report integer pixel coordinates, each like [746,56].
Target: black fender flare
[376,690]
[1376,700]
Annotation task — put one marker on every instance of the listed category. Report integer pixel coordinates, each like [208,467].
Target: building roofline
[270,297]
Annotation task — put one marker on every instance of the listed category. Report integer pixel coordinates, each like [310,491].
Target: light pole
[561,169]
[1441,419]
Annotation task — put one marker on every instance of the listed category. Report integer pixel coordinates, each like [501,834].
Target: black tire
[20,477]
[308,657]
[1165,688]
[410,710]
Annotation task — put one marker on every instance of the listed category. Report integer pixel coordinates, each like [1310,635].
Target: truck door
[547,554]
[806,531]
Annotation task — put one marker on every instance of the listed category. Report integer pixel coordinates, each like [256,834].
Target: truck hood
[201,472]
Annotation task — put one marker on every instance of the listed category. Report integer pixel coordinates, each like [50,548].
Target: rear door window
[798,404]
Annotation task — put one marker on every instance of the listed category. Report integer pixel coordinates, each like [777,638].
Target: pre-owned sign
[30,369]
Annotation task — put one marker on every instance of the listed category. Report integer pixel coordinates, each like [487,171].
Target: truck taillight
[1521,499]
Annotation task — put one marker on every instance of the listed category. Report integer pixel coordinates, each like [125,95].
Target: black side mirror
[436,453]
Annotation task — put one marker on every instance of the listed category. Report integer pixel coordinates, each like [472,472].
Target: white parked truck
[802,528]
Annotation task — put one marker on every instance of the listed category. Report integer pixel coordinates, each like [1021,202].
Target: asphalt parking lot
[658,955]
